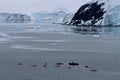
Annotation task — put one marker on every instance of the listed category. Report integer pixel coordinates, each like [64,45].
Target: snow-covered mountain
[89,14]
[98,12]
[9,17]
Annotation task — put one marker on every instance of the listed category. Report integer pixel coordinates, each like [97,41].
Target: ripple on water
[4,40]
[34,48]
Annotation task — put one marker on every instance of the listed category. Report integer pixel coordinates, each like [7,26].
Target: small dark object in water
[33,65]
[86,66]
[57,66]
[20,64]
[69,67]
[94,70]
[74,64]
[59,63]
[45,65]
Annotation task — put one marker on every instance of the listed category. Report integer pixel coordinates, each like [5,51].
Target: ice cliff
[55,16]
[17,18]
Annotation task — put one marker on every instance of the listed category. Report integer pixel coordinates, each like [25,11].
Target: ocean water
[47,36]
[38,43]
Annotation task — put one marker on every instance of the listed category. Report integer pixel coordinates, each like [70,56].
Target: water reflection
[96,29]
[47,26]
[15,21]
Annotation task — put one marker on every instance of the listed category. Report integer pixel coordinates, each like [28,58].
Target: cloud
[30,6]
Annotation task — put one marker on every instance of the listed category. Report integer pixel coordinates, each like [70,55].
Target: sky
[32,6]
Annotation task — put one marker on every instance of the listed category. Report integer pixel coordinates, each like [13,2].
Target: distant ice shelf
[14,18]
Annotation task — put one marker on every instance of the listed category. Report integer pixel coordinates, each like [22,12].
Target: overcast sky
[31,6]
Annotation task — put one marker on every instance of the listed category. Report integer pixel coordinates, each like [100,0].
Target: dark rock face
[89,14]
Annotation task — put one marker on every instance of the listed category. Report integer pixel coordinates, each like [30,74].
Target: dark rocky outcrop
[89,14]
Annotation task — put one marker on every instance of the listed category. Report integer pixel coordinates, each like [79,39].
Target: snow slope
[67,18]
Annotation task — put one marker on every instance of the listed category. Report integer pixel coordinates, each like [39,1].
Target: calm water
[47,26]
[37,43]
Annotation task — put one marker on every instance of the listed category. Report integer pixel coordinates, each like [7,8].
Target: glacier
[113,17]
[55,16]
[14,18]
